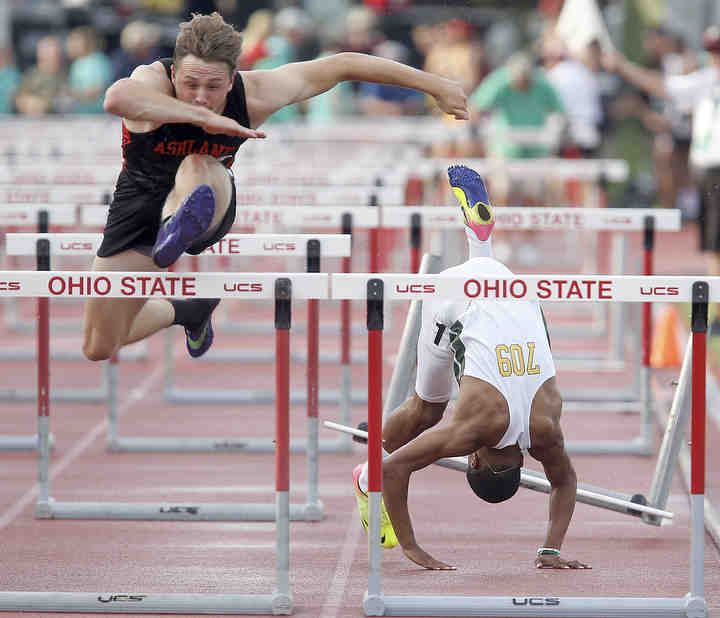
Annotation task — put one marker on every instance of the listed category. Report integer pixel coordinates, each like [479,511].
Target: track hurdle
[277,602]
[298,174]
[65,244]
[40,215]
[639,397]
[18,216]
[606,289]
[287,245]
[44,284]
[43,194]
[587,494]
[649,508]
[312,247]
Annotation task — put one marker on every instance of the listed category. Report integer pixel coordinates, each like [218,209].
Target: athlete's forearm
[562,505]
[131,99]
[396,480]
[366,68]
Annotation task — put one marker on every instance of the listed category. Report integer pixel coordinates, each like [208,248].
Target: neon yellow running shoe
[387,538]
[475,204]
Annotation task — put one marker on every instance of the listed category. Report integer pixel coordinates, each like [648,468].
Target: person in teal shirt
[90,71]
[9,80]
[517,96]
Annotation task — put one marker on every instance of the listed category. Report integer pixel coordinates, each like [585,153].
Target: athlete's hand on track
[556,562]
[452,100]
[421,557]
[215,123]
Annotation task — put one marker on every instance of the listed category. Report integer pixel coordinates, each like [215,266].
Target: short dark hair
[494,484]
[210,38]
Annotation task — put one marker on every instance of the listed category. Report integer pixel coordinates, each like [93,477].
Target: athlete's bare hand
[556,562]
[215,123]
[451,99]
[421,557]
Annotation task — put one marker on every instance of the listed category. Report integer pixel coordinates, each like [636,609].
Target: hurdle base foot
[373,604]
[314,511]
[695,607]
[281,604]
[44,510]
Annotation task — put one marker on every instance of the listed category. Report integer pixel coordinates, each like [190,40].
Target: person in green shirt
[517,96]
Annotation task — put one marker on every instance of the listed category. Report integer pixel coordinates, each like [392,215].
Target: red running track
[492,545]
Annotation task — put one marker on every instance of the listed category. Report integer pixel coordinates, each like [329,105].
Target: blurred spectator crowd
[538,94]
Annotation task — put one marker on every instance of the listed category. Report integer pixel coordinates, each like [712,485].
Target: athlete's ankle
[192,313]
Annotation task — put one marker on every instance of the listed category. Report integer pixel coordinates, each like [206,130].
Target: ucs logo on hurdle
[113,598]
[536,601]
[10,286]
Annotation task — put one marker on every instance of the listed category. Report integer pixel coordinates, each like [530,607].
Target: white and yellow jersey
[503,343]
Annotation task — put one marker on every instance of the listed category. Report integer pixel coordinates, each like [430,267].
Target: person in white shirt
[699,91]
[579,90]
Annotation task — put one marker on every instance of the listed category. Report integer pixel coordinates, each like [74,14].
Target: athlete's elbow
[114,98]
[345,66]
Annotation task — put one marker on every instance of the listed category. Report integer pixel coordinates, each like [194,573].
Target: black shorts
[709,216]
[134,222]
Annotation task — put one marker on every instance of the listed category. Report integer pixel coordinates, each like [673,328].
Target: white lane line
[80,446]
[336,589]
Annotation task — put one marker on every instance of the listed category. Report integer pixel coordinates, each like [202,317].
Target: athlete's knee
[196,167]
[97,349]
[99,344]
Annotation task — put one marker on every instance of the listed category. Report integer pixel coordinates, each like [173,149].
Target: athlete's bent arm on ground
[268,91]
[474,424]
[147,97]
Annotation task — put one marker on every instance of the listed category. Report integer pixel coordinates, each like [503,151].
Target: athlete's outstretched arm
[147,97]
[268,91]
[563,490]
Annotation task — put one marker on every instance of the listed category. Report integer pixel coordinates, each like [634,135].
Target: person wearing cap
[698,91]
[496,354]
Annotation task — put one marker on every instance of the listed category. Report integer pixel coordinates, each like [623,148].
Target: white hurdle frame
[326,245]
[44,284]
[698,290]
[279,602]
[286,245]
[639,398]
[537,481]
[39,216]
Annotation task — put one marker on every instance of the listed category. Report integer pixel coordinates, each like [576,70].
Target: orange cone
[664,350]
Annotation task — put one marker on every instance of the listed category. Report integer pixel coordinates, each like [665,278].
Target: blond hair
[210,38]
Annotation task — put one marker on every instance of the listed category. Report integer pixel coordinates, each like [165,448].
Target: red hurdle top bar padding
[375,373]
[283,292]
[699,351]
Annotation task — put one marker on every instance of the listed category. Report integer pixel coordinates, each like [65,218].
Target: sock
[194,312]
[363,481]
[478,248]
